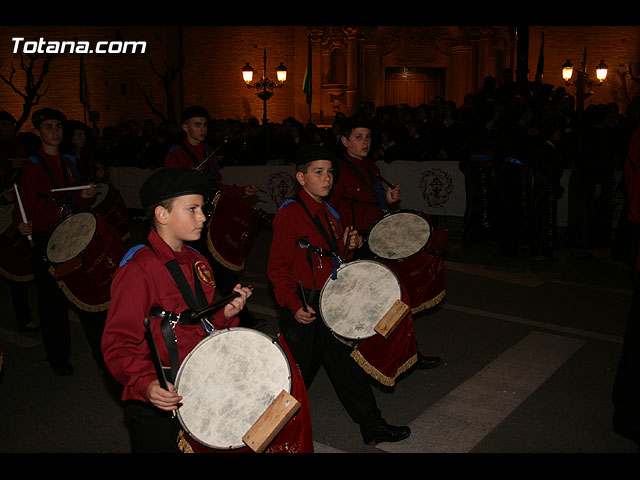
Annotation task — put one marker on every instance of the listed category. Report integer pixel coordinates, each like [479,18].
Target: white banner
[434,187]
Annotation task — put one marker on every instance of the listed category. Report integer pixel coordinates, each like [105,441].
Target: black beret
[43,114]
[171,182]
[194,111]
[351,123]
[311,153]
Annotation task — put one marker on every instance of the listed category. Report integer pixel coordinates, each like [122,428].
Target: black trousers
[53,312]
[313,345]
[152,430]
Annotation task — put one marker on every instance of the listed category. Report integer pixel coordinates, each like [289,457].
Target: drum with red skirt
[406,242]
[84,251]
[227,382]
[15,261]
[109,203]
[353,304]
[232,228]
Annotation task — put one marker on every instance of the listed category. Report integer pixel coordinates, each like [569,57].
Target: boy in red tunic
[310,341]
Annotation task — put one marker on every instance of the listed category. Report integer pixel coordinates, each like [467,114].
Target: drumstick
[305,305]
[67,189]
[211,154]
[213,306]
[155,357]
[22,213]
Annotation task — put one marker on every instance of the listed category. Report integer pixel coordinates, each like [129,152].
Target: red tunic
[35,184]
[142,282]
[352,189]
[288,263]
[177,156]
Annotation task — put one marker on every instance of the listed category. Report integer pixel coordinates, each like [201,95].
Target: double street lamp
[264,85]
[583,81]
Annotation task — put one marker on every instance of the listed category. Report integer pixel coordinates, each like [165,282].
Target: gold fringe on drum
[79,303]
[15,278]
[430,303]
[221,260]
[377,374]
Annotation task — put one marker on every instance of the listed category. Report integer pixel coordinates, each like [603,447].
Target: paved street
[530,351]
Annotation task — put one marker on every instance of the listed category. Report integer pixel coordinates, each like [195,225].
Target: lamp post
[583,81]
[264,85]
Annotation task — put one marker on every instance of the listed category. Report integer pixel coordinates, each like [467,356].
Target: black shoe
[386,433]
[63,369]
[425,363]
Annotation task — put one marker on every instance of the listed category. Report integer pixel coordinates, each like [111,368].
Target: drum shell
[295,436]
[231,230]
[15,261]
[341,300]
[86,279]
[423,274]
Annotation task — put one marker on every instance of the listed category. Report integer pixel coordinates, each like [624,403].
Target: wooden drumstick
[68,189]
[22,212]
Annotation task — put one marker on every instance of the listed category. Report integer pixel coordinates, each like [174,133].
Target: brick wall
[214,57]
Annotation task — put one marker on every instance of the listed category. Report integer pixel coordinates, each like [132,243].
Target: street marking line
[534,323]
[460,420]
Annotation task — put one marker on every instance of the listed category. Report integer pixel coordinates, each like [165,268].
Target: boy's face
[358,143]
[183,222]
[196,129]
[50,132]
[318,179]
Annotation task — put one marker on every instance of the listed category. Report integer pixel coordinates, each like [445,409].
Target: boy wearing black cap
[49,169]
[174,199]
[192,153]
[309,340]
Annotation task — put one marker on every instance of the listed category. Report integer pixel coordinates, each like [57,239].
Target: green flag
[306,84]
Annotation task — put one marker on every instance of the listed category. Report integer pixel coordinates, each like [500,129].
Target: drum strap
[329,238]
[374,186]
[195,300]
[210,166]
[65,175]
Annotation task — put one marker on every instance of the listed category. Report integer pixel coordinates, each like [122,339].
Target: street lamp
[583,80]
[264,85]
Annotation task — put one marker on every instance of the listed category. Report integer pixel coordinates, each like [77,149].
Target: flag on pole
[84,87]
[306,84]
[540,67]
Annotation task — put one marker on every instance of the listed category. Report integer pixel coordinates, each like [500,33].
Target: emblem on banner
[436,186]
[281,187]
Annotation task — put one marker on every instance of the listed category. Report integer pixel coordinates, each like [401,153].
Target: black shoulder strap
[194,300]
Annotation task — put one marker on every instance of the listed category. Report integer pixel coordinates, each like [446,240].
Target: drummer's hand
[89,192]
[393,194]
[233,308]
[251,190]
[163,399]
[305,317]
[25,228]
[352,238]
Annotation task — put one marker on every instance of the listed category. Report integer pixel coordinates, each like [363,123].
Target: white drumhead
[399,235]
[71,237]
[227,381]
[354,303]
[6,217]
[102,190]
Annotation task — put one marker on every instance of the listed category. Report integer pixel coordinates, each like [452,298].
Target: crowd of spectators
[496,117]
